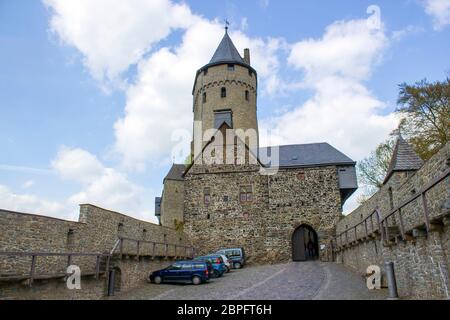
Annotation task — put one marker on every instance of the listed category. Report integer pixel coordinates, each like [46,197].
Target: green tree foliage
[425,111]
[373,169]
[425,123]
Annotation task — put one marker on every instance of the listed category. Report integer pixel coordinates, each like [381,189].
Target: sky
[95,95]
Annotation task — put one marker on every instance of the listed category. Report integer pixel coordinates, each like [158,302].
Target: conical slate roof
[404,158]
[226,52]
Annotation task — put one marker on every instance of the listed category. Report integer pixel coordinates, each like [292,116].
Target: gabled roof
[176,172]
[226,52]
[404,158]
[305,155]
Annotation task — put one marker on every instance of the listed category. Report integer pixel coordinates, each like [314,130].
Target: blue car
[219,267]
[195,272]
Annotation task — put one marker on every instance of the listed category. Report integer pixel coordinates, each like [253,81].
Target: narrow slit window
[207,196]
[223,92]
[204,97]
[247,95]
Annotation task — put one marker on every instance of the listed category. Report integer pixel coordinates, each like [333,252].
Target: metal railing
[381,224]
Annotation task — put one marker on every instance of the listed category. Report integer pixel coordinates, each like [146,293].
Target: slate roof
[176,172]
[304,155]
[404,158]
[226,52]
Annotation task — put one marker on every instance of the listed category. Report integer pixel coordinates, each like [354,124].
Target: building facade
[277,207]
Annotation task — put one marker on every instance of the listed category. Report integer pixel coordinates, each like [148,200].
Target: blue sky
[91,91]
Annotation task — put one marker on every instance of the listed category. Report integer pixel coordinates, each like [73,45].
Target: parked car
[227,262]
[195,272]
[218,265]
[236,255]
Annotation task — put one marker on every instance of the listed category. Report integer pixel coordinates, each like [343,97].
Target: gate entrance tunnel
[305,244]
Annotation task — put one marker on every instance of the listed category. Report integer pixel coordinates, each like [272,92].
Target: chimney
[247,56]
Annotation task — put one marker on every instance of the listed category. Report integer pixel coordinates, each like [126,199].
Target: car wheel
[196,280]
[215,273]
[237,265]
[228,269]
[158,280]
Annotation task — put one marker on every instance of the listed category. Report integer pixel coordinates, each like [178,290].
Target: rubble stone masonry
[421,261]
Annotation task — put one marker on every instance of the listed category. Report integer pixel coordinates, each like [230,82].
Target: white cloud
[105,187]
[114,34]
[30,204]
[78,165]
[409,30]
[347,49]
[439,10]
[28,184]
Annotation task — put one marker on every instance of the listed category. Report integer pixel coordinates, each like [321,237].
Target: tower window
[223,116]
[205,72]
[231,67]
[223,92]
[70,239]
[206,196]
[246,194]
[250,72]
[391,198]
[247,95]
[204,97]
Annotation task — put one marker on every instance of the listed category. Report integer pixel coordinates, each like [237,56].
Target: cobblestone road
[291,281]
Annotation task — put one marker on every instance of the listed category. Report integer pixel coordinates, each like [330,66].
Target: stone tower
[225,90]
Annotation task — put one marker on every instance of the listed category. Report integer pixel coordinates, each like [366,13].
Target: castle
[273,209]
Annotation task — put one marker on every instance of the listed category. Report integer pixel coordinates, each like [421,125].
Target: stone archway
[305,244]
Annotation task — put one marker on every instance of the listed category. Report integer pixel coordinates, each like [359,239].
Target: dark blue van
[195,272]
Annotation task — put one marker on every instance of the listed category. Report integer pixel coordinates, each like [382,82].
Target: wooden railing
[155,249]
[32,275]
[158,249]
[376,224]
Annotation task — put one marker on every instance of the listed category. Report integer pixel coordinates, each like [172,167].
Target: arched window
[223,92]
[204,97]
[247,95]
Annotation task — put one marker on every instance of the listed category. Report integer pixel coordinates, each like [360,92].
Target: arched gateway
[305,244]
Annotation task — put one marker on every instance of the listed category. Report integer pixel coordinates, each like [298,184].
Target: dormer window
[223,92]
[231,67]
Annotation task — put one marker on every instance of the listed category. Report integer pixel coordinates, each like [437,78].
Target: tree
[373,169]
[425,111]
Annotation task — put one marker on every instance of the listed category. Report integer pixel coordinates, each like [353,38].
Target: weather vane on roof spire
[226,25]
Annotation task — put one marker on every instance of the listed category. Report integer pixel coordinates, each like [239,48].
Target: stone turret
[225,90]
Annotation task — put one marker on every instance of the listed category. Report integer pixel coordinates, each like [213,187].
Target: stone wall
[422,259]
[236,83]
[264,226]
[172,204]
[96,232]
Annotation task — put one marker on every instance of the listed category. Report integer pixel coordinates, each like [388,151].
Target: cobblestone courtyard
[291,281]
